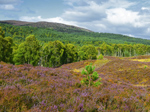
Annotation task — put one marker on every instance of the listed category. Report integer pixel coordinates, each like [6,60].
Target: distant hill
[56,26]
[14,22]
[48,31]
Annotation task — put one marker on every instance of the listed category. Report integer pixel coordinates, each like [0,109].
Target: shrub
[91,76]
[100,56]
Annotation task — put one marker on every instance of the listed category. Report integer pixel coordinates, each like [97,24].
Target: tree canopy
[49,48]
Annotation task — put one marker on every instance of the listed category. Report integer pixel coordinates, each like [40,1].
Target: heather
[125,87]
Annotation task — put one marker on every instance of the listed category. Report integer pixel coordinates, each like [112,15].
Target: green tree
[100,57]
[82,55]
[71,53]
[91,76]
[53,54]
[88,52]
[19,55]
[104,48]
[6,49]
[28,52]
[2,33]
[1,43]
[126,53]
[1,47]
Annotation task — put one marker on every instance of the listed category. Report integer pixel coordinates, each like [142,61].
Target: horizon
[125,17]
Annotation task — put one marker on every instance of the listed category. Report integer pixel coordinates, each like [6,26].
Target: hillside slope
[13,22]
[45,31]
[56,26]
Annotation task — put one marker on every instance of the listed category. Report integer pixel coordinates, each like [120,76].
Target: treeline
[54,54]
[51,54]
[123,50]
[19,33]
[6,49]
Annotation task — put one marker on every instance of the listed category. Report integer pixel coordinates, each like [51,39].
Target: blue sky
[127,17]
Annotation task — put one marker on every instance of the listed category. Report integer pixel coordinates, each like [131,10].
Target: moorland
[41,70]
[125,87]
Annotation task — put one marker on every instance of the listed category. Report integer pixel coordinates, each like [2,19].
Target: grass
[141,60]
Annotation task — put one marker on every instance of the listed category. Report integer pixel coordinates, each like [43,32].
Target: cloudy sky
[127,17]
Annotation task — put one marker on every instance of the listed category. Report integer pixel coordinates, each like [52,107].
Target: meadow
[125,87]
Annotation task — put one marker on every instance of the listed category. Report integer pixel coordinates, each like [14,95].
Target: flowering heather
[125,87]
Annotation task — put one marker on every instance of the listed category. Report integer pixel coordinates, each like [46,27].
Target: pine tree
[91,76]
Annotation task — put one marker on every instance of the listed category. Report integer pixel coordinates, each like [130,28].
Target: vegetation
[6,49]
[28,83]
[100,56]
[19,33]
[91,76]
[125,87]
[27,52]
[18,46]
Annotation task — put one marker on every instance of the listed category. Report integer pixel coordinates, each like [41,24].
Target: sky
[127,17]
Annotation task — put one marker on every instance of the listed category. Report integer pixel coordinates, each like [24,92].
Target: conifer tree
[92,77]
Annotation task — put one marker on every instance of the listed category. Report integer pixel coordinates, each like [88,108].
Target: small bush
[100,57]
[91,76]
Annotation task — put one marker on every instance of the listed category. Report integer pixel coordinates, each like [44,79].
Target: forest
[50,48]
[48,70]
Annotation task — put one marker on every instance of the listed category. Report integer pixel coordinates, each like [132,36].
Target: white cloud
[8,4]
[148,30]
[39,18]
[122,16]
[113,16]
[102,26]
[7,7]
[129,35]
[107,3]
[31,19]
[92,10]
[9,1]
[89,12]
[77,2]
[145,8]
